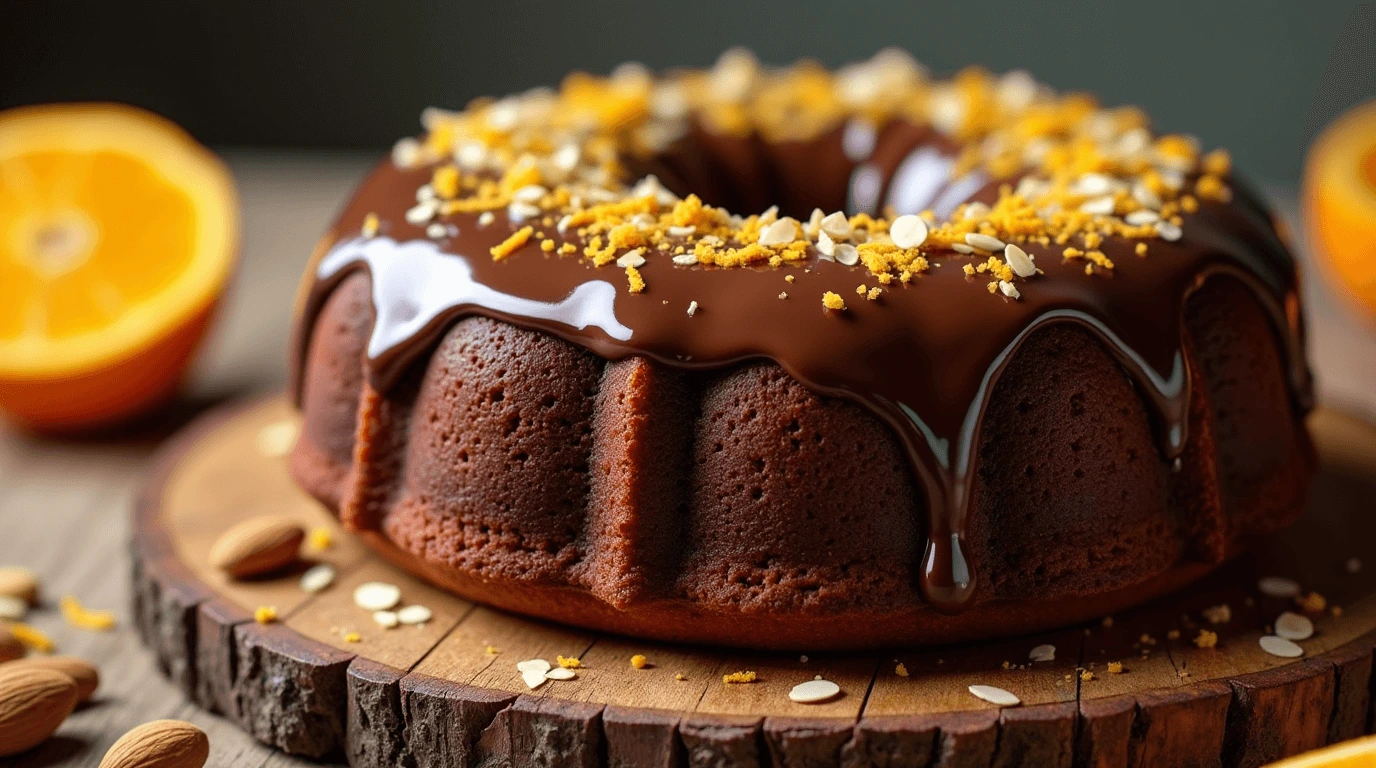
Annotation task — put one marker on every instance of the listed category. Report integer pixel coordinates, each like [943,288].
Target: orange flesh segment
[86,251]
[116,229]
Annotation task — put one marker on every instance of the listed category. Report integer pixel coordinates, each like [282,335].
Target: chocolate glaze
[907,167]
[924,357]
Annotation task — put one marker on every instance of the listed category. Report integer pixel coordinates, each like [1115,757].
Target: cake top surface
[1060,170]
[615,213]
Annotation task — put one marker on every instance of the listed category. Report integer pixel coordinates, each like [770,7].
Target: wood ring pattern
[431,696]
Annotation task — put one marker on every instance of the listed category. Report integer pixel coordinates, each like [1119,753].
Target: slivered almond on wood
[85,674]
[258,546]
[33,703]
[159,744]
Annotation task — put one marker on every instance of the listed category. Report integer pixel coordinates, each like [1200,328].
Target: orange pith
[118,233]
[1340,202]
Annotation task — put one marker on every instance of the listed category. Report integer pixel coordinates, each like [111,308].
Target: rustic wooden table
[64,505]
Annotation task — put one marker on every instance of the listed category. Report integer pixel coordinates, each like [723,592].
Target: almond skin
[257,546]
[10,647]
[33,703]
[85,674]
[159,744]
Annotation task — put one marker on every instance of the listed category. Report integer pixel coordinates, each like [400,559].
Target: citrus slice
[1340,201]
[1358,753]
[118,235]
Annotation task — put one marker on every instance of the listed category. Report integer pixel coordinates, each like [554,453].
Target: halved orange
[1357,753]
[118,235]
[1340,201]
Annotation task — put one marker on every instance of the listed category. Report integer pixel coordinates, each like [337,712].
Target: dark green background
[1257,77]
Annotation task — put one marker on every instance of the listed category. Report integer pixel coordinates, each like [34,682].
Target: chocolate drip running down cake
[990,359]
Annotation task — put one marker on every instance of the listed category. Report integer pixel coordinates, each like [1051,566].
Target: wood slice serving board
[436,694]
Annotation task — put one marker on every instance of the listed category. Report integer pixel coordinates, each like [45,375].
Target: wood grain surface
[64,511]
[327,681]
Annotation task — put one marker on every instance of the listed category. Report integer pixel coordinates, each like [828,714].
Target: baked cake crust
[705,454]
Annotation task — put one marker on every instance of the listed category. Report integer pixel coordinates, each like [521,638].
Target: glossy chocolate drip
[924,357]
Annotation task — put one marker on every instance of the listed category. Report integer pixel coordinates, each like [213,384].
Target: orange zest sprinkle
[320,538]
[1079,176]
[32,637]
[80,617]
[508,246]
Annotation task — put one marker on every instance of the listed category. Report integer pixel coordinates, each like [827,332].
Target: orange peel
[1339,197]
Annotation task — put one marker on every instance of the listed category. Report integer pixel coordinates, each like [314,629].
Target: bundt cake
[992,359]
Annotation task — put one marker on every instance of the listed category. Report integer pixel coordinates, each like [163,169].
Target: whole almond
[20,582]
[33,703]
[10,647]
[159,744]
[257,546]
[85,674]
